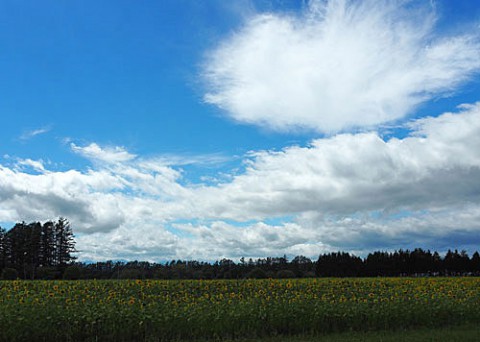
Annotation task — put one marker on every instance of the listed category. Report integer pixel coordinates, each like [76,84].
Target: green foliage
[159,310]
[285,274]
[9,274]
[257,273]
[47,273]
[130,273]
[457,333]
[73,272]
[37,249]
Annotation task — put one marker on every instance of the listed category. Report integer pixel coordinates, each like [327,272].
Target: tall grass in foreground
[132,310]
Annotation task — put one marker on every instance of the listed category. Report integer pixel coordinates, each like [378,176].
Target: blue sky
[188,129]
[117,74]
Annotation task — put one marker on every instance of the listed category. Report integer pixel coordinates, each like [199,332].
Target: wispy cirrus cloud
[340,64]
[189,159]
[29,134]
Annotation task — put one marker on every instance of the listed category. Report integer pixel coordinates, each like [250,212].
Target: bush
[72,273]
[47,273]
[257,273]
[131,273]
[9,274]
[283,274]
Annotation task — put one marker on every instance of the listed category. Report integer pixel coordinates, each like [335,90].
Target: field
[151,310]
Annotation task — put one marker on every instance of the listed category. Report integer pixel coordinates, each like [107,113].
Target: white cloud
[36,165]
[33,133]
[106,154]
[340,64]
[352,192]
[186,159]
[439,164]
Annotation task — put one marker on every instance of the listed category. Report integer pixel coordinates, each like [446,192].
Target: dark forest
[47,251]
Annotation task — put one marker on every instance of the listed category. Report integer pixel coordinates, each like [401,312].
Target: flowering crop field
[156,310]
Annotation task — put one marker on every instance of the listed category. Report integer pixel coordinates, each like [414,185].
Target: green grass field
[460,333]
[266,310]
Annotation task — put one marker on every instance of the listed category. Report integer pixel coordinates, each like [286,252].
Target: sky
[183,129]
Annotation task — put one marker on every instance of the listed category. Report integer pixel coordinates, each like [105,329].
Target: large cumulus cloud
[339,64]
[437,164]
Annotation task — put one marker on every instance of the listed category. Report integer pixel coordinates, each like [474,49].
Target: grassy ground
[462,333]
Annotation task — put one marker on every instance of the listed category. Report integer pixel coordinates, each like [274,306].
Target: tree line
[45,251]
[417,262]
[35,250]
